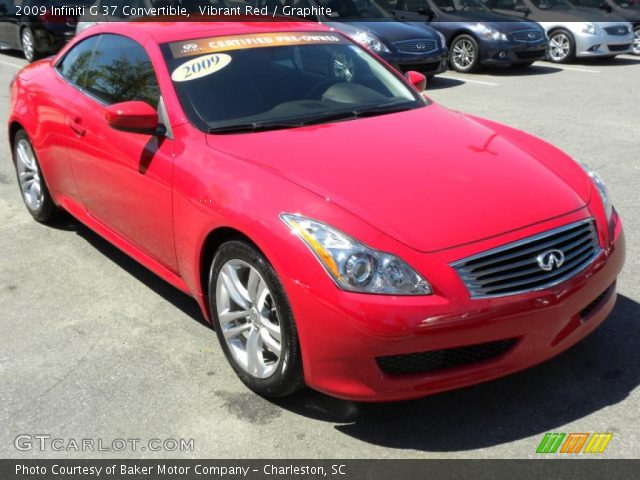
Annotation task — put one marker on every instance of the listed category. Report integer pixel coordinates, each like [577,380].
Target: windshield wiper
[331,117]
[359,113]
[253,127]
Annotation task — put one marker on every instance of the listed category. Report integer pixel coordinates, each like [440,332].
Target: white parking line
[467,80]
[4,62]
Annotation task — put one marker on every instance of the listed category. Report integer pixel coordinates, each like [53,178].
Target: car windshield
[280,80]
[553,4]
[451,6]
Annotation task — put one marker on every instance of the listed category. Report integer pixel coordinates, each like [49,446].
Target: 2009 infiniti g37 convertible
[248,164]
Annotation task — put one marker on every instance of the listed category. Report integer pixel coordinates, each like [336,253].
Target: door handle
[76,126]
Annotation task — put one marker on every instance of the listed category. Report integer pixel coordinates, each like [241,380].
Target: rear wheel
[253,320]
[32,185]
[562,46]
[464,54]
[28,45]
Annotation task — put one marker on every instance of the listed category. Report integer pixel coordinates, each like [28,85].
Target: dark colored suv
[34,27]
[476,35]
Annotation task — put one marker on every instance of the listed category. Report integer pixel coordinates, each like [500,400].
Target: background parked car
[476,35]
[29,25]
[405,46]
[572,31]
[627,9]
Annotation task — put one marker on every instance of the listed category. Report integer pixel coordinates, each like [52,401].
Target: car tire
[253,320]
[31,182]
[636,40]
[28,45]
[464,54]
[562,46]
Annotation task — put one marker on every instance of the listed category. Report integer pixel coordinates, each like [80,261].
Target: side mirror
[523,9]
[606,7]
[418,80]
[134,117]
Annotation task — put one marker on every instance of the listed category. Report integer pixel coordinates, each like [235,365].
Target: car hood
[504,22]
[430,178]
[387,31]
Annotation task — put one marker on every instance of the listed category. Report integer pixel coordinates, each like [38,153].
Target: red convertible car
[339,229]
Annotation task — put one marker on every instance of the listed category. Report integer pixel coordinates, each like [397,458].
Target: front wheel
[253,320]
[562,46]
[464,54]
[636,41]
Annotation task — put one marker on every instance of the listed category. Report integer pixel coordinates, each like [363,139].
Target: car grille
[619,48]
[417,46]
[434,360]
[515,268]
[617,30]
[531,55]
[527,36]
[586,311]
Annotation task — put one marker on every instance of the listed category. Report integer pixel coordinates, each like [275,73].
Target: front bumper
[344,335]
[603,45]
[428,64]
[510,53]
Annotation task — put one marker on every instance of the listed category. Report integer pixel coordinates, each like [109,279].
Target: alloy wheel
[463,54]
[249,319]
[559,47]
[636,42]
[29,175]
[27,44]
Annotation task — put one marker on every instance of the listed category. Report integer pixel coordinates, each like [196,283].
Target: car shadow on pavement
[536,69]
[440,83]
[607,62]
[177,298]
[599,372]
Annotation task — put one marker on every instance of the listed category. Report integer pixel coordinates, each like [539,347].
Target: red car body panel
[428,185]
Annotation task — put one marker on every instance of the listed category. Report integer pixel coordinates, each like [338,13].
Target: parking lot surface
[93,346]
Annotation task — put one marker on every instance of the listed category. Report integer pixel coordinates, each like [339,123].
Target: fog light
[594,48]
[502,55]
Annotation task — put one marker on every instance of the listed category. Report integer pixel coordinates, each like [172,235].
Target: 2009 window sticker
[200,67]
[239,42]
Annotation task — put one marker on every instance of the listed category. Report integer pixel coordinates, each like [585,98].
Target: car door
[124,179]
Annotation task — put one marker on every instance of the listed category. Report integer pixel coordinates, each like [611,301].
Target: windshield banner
[239,42]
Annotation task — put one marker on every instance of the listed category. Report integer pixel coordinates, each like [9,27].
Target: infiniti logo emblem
[550,260]
[421,46]
[532,35]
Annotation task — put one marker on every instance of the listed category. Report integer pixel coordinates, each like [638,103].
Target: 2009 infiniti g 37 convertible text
[249,164]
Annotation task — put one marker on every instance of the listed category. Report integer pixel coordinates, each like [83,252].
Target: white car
[573,31]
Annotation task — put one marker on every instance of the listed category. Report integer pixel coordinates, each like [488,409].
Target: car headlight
[602,190]
[490,33]
[590,29]
[370,41]
[354,266]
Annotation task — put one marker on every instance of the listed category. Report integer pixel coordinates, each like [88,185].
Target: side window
[121,71]
[75,63]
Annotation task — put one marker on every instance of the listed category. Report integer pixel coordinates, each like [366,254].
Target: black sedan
[35,27]
[476,35]
[627,9]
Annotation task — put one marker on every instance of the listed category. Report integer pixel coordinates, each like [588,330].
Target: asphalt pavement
[95,347]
